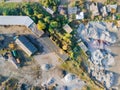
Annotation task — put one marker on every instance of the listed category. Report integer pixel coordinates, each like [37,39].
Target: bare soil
[14,29]
[31,72]
[115,48]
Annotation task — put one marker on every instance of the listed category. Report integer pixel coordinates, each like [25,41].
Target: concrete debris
[69,77]
[80,15]
[104,11]
[97,56]
[51,81]
[46,67]
[97,31]
[111,7]
[98,37]
[94,9]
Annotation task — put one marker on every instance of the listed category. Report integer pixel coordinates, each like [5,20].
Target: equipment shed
[26,45]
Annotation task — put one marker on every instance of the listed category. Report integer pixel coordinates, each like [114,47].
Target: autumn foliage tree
[41,25]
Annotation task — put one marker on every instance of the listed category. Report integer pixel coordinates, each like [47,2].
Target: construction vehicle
[14,53]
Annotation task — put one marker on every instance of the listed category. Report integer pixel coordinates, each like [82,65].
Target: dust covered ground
[115,49]
[31,72]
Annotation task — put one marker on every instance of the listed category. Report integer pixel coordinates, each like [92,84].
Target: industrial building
[16,20]
[26,45]
[21,20]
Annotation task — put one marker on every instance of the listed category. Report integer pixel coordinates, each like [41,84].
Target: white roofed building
[16,20]
[72,10]
[67,28]
[80,15]
[26,45]
[21,20]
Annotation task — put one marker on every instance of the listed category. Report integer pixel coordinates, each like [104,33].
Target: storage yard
[40,69]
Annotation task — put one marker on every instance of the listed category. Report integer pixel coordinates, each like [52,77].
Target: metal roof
[16,20]
[67,28]
[28,45]
[72,10]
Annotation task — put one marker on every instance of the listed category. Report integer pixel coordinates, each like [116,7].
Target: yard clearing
[22,30]
[32,72]
[25,74]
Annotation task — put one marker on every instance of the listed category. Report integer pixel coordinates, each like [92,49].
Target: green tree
[47,19]
[51,30]
[62,20]
[28,10]
[54,8]
[54,24]
[39,16]
[5,12]
[50,3]
[34,18]
[45,3]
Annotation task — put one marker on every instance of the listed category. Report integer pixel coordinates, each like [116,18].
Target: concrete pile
[98,37]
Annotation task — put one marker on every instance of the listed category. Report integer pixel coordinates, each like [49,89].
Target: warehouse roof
[16,20]
[67,28]
[72,10]
[27,46]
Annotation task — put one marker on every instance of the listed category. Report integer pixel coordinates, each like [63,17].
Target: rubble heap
[98,37]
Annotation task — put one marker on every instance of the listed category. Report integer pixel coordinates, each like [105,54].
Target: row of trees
[34,10]
[50,3]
